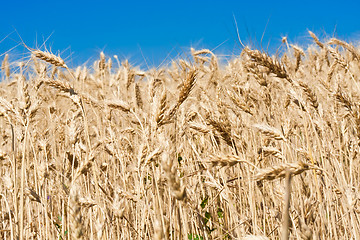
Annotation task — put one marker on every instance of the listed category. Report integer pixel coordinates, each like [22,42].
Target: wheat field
[261,147]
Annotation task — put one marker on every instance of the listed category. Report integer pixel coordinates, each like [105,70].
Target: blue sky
[146,32]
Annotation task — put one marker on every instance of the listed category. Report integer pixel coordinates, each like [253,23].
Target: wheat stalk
[77,232]
[177,190]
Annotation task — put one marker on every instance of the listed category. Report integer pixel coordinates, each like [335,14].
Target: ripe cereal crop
[259,147]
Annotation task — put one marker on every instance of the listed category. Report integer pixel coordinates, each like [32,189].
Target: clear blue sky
[150,30]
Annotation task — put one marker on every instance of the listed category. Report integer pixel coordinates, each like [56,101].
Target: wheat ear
[279,171]
[186,88]
[272,64]
[5,66]
[316,39]
[310,94]
[270,131]
[227,160]
[347,46]
[50,58]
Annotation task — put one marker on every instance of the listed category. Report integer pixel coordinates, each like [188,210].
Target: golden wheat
[200,149]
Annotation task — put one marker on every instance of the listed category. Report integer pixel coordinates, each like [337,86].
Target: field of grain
[261,147]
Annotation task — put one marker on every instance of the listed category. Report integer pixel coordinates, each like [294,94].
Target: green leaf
[195,237]
[207,217]
[204,202]
[220,213]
